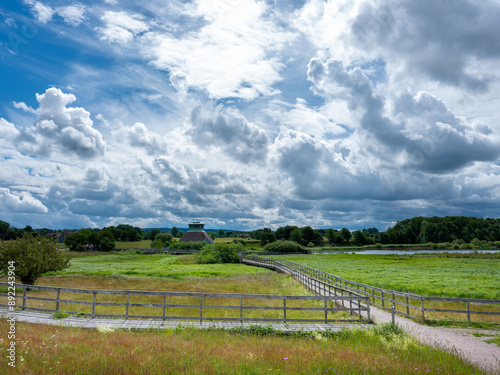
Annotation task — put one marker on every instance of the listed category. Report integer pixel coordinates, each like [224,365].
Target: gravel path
[460,340]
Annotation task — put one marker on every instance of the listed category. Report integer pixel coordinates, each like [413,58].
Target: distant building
[196,233]
[59,236]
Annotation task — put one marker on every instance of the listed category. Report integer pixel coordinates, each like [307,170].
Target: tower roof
[196,236]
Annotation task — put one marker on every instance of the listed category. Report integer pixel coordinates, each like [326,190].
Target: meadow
[62,350]
[131,264]
[475,277]
[48,349]
[128,270]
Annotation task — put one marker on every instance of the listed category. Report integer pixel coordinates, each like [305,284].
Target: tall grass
[60,350]
[269,283]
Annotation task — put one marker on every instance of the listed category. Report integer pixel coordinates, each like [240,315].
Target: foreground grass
[128,263]
[426,275]
[58,350]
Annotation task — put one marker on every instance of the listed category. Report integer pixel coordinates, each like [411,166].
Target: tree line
[418,230]
[457,230]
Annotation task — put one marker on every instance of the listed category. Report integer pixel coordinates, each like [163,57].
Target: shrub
[32,256]
[195,245]
[60,315]
[219,253]
[107,244]
[282,247]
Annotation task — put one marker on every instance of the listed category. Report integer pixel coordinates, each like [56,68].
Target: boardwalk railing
[180,305]
[407,304]
[358,303]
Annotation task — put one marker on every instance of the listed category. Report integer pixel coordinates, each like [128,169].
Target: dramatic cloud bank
[249,113]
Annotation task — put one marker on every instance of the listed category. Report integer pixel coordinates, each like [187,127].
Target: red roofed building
[196,233]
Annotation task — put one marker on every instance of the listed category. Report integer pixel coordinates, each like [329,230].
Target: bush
[107,244]
[219,253]
[282,247]
[32,256]
[195,245]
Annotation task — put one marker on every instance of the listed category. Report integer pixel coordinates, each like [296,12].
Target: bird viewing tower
[196,233]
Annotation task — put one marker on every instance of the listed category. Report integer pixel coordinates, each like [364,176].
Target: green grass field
[129,263]
[44,349]
[426,275]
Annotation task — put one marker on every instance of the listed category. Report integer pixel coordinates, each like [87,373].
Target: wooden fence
[152,250]
[406,304]
[358,304]
[196,306]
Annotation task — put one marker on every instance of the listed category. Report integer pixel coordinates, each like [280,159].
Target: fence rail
[406,304]
[358,303]
[196,306]
[152,250]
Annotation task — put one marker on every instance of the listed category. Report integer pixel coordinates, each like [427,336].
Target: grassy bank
[426,275]
[59,350]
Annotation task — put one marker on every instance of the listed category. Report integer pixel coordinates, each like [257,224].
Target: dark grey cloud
[441,40]
[429,135]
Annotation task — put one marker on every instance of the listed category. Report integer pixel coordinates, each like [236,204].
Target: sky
[248,113]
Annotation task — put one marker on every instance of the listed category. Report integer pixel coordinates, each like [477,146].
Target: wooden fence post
[468,312]
[241,310]
[94,293]
[164,303]
[423,308]
[326,311]
[57,299]
[24,298]
[407,307]
[284,309]
[382,298]
[127,305]
[201,310]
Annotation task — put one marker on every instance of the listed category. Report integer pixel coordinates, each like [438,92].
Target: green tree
[75,241]
[266,237]
[221,233]
[32,256]
[164,237]
[346,235]
[308,235]
[174,231]
[359,238]
[107,244]
[153,233]
[331,236]
[158,244]
[296,236]
[4,229]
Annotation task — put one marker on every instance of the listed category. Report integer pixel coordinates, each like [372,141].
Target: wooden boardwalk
[71,321]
